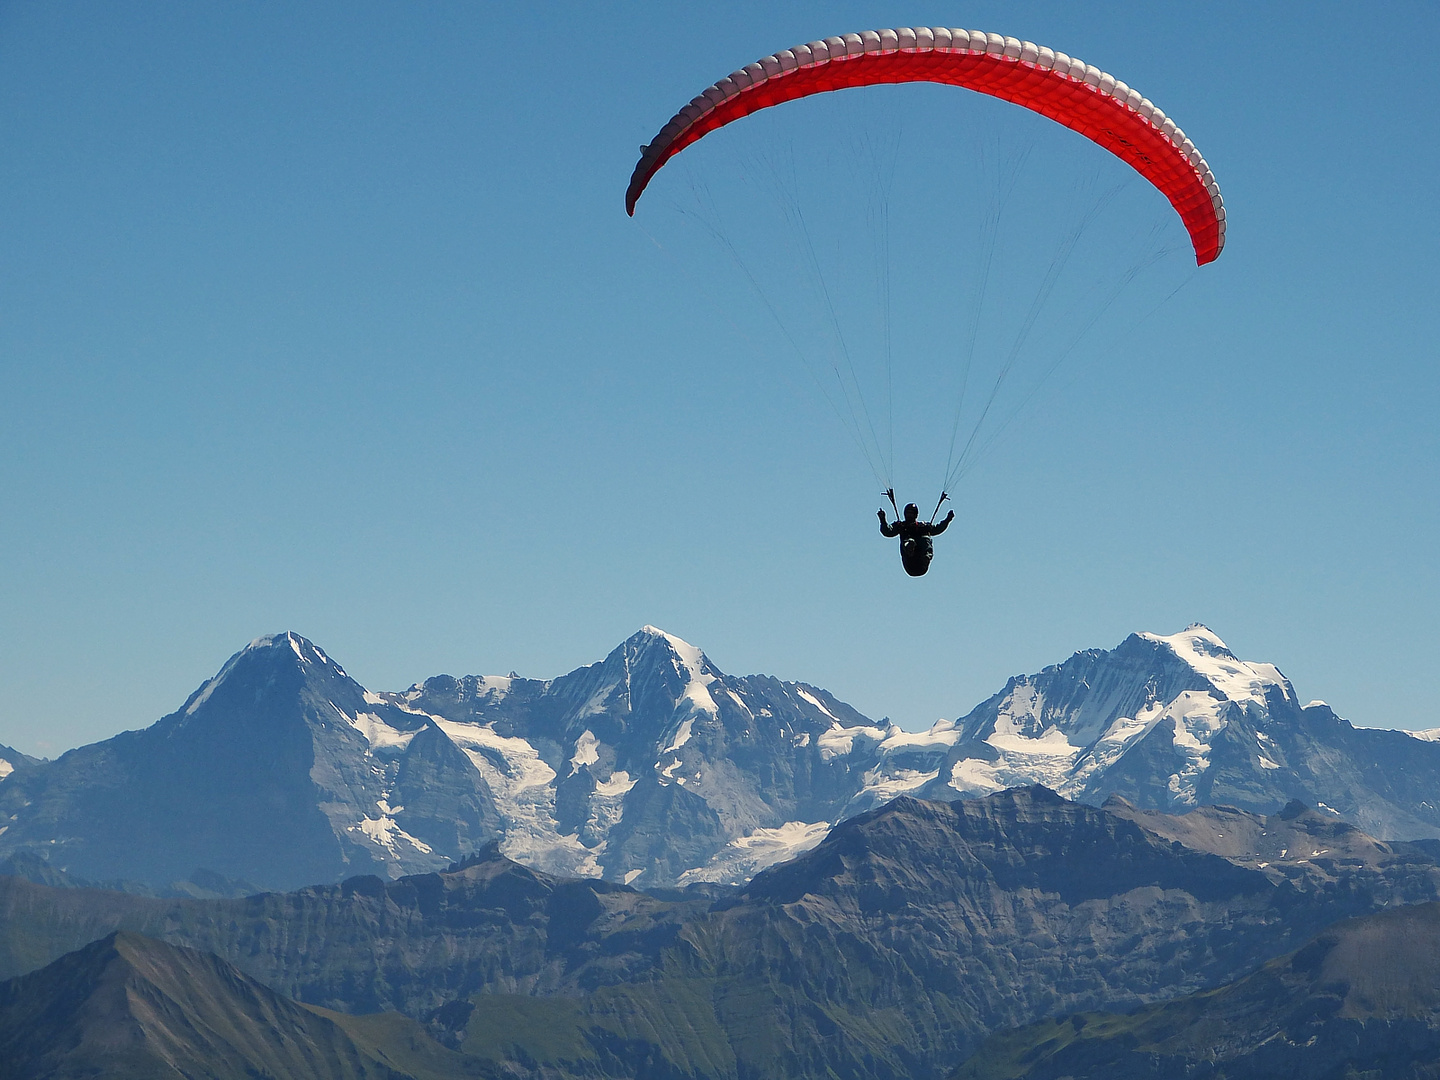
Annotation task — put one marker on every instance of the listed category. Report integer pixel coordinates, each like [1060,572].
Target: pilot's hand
[880,514]
[950,517]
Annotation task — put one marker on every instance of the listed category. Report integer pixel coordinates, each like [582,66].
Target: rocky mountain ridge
[1360,999]
[12,759]
[655,768]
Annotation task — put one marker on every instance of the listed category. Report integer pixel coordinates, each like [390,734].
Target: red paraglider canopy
[1070,92]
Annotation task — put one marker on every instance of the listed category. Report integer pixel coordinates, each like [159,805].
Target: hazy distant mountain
[202,884]
[1308,848]
[1361,1000]
[891,949]
[653,767]
[11,759]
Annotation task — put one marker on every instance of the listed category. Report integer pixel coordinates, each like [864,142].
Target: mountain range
[656,769]
[896,947]
[1357,1000]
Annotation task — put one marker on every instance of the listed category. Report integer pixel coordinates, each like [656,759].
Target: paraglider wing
[1070,92]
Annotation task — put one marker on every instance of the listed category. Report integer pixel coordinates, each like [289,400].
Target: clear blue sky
[329,318]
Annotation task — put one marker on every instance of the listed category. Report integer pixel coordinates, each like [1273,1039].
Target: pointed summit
[653,648]
[650,644]
[652,679]
[653,763]
[648,631]
[281,770]
[269,653]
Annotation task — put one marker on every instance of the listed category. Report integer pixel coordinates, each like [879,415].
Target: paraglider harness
[916,547]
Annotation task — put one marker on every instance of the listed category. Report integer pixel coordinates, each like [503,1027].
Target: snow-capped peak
[699,673]
[1239,680]
[305,651]
[691,655]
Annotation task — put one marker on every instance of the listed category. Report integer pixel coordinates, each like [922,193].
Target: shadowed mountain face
[654,768]
[1361,999]
[891,949]
[130,1007]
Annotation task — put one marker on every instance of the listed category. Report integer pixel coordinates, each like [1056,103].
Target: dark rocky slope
[127,1007]
[1360,1000]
